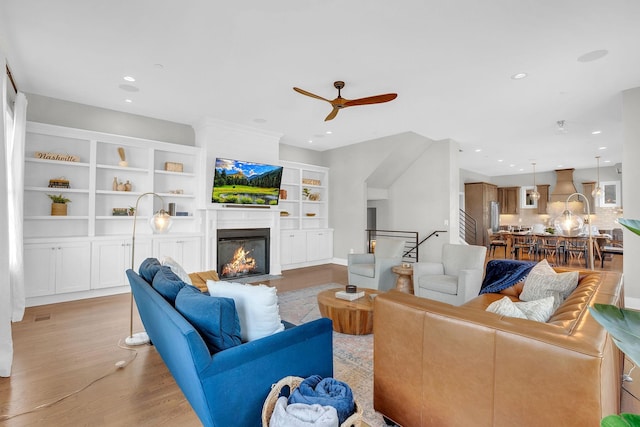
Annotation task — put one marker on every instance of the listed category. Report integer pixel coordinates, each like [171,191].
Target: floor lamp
[160,222]
[572,224]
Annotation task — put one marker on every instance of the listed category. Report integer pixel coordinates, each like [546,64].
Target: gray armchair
[454,280]
[374,270]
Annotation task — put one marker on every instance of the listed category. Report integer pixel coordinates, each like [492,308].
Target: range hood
[564,185]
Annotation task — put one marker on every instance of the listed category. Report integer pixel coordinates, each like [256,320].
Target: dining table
[533,240]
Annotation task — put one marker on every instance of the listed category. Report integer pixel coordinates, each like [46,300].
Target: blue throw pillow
[215,318]
[167,284]
[149,268]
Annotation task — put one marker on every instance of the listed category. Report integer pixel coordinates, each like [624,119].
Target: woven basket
[293,382]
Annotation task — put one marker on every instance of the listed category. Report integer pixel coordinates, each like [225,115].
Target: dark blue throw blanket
[504,273]
[325,392]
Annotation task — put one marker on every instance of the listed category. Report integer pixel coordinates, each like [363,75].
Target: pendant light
[534,194]
[597,192]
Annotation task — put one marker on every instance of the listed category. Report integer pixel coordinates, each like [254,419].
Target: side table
[349,317]
[404,282]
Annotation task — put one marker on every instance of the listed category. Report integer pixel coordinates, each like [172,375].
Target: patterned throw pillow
[543,282]
[538,310]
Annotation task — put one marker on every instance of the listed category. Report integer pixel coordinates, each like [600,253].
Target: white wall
[64,113]
[425,198]
[413,205]
[631,180]
[301,155]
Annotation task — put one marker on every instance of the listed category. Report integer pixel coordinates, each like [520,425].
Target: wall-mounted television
[238,182]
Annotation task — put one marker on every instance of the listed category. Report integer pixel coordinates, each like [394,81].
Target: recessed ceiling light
[607,161]
[512,165]
[129,88]
[310,141]
[129,78]
[128,101]
[519,76]
[500,160]
[521,170]
[596,132]
[328,132]
[559,166]
[602,148]
[593,55]
[477,150]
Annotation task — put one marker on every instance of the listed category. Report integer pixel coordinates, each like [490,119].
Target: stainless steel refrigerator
[494,216]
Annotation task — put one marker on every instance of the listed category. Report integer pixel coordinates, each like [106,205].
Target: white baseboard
[633,303]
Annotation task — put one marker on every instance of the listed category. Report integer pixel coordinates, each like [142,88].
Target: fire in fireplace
[243,252]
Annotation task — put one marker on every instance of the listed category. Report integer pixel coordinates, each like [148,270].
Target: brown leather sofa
[440,365]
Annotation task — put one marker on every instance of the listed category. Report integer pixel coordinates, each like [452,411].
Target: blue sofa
[228,388]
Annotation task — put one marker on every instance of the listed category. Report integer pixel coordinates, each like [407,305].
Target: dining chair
[496,241]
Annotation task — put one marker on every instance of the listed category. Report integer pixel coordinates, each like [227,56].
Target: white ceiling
[449,61]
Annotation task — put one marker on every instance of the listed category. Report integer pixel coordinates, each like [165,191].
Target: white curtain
[12,293]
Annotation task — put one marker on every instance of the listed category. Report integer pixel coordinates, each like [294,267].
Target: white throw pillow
[538,310]
[177,269]
[506,307]
[542,281]
[257,307]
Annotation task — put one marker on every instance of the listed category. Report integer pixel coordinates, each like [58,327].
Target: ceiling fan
[341,102]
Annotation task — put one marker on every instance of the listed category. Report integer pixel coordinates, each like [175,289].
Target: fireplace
[242,252]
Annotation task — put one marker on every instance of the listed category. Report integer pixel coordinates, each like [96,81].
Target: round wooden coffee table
[349,317]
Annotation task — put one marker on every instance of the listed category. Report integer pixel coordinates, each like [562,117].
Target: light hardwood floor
[63,348]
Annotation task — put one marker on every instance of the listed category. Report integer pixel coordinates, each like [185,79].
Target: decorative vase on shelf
[115,183]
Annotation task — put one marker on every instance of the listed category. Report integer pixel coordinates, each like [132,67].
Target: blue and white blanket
[325,392]
[503,273]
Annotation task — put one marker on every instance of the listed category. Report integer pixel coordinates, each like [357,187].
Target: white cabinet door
[293,247]
[73,266]
[319,245]
[184,250]
[111,259]
[39,269]
[109,263]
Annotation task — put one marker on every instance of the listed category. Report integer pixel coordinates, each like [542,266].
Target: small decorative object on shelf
[61,182]
[305,193]
[314,196]
[122,211]
[56,156]
[120,186]
[131,211]
[283,194]
[114,186]
[173,167]
[123,160]
[310,214]
[59,205]
[127,186]
[310,181]
[284,213]
[177,191]
[180,213]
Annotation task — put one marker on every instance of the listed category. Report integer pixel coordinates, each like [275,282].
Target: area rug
[352,354]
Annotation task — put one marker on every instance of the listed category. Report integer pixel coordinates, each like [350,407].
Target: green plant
[624,327]
[58,198]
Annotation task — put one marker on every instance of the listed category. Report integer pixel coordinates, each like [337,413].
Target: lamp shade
[570,224]
[160,222]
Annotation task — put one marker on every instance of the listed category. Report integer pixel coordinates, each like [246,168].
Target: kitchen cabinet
[543,189]
[509,199]
[477,201]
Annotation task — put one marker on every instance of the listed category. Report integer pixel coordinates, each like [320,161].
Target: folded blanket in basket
[327,391]
[301,415]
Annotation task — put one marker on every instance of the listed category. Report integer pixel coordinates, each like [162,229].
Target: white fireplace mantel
[231,217]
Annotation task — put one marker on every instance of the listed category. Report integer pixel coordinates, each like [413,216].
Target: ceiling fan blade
[312,95]
[332,114]
[377,99]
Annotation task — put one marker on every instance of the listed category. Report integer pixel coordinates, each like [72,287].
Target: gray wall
[64,113]
[301,155]
[631,178]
